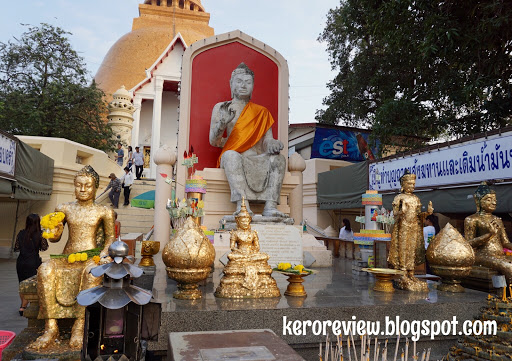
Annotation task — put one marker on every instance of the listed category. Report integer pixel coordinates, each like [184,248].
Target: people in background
[138,160]
[346,231]
[430,229]
[130,157]
[115,189]
[120,154]
[29,242]
[127,181]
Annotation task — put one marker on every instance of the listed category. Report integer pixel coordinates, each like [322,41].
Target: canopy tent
[33,178]
[144,200]
[342,189]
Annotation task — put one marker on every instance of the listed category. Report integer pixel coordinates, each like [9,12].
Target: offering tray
[384,278]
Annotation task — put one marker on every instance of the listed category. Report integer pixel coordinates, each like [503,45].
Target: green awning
[342,188]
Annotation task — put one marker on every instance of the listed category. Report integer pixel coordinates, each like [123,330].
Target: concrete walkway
[10,302]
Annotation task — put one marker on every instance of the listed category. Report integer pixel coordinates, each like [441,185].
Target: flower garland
[50,222]
[299,269]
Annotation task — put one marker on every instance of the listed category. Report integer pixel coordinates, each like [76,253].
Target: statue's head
[243,219]
[86,183]
[242,82]
[407,182]
[485,198]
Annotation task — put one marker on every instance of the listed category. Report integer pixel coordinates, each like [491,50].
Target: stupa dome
[159,22]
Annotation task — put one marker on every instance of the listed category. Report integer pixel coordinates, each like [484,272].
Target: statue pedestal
[230,222]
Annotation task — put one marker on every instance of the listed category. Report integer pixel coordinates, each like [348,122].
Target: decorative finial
[243,211]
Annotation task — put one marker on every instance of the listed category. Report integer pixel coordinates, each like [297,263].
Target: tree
[420,69]
[45,91]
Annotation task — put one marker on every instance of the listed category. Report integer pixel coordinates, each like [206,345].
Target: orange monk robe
[252,124]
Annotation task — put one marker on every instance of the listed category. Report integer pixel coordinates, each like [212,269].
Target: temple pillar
[164,158]
[296,165]
[137,103]
[156,123]
[163,2]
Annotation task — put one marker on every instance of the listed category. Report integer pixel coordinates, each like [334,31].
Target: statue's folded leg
[231,162]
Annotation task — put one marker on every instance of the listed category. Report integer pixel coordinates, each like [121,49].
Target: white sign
[462,163]
[7,156]
[281,242]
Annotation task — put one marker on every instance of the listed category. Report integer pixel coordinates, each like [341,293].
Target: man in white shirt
[127,181]
[138,160]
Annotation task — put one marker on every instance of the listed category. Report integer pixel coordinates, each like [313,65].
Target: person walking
[138,160]
[29,242]
[130,157]
[120,154]
[127,181]
[115,189]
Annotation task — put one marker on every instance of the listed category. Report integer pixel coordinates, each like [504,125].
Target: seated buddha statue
[250,157]
[58,281]
[487,235]
[247,274]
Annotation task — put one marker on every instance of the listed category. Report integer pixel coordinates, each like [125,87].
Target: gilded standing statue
[486,233]
[59,282]
[407,245]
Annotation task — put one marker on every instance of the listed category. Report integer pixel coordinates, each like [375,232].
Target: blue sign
[342,145]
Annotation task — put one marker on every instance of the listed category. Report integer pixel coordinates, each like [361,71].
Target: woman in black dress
[29,242]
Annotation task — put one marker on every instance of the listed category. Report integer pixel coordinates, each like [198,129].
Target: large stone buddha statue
[250,155]
[486,233]
[247,274]
[58,281]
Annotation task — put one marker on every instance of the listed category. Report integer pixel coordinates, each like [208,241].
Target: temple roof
[158,23]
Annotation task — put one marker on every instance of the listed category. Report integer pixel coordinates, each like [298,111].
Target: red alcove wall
[211,72]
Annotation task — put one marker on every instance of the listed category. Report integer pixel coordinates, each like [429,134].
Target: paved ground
[10,319]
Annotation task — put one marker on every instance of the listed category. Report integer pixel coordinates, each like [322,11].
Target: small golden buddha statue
[58,281]
[486,233]
[407,245]
[247,274]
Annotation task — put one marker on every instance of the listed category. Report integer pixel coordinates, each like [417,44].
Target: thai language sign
[341,145]
[7,156]
[480,160]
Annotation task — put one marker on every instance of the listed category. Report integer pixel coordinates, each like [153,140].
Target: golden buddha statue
[486,233]
[58,281]
[247,274]
[407,246]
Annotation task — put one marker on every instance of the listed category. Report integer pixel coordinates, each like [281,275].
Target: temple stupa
[158,23]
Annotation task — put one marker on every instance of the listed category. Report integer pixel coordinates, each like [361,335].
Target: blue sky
[289,26]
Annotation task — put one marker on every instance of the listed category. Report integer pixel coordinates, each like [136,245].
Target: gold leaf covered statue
[407,245]
[247,274]
[486,233]
[58,281]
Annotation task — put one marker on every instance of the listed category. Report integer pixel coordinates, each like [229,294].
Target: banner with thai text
[7,156]
[341,145]
[472,162]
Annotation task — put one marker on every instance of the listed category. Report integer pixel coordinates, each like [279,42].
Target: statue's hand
[430,208]
[226,114]
[493,228]
[274,146]
[57,232]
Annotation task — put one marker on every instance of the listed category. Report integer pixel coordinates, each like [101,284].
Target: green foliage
[420,69]
[44,90]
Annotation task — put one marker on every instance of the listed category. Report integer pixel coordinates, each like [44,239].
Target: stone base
[61,353]
[256,219]
[480,278]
